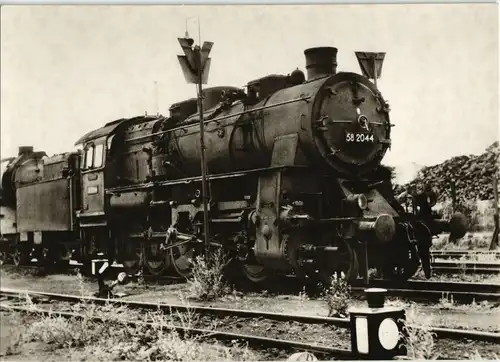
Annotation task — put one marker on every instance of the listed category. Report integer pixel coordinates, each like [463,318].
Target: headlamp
[362,202]
[358,199]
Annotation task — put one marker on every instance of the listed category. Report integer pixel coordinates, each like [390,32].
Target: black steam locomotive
[294,178]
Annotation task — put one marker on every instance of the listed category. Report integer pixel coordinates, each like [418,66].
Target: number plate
[359,137]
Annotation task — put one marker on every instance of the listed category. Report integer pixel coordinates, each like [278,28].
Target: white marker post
[195,65]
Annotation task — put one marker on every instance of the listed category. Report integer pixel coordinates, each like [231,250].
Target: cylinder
[320,62]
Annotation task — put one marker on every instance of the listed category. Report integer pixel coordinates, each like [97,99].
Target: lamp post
[371,66]
[195,66]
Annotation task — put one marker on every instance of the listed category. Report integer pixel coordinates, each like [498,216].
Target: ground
[484,316]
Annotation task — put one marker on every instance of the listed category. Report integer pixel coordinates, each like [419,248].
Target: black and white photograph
[249,182]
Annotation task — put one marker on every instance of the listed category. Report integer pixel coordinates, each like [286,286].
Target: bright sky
[66,70]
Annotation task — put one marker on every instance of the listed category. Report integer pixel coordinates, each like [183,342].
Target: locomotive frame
[295,183]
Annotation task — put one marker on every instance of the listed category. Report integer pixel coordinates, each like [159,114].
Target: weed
[446,301]
[477,356]
[440,244]
[303,295]
[416,335]
[14,332]
[207,281]
[419,342]
[397,303]
[338,297]
[82,287]
[116,339]
[60,332]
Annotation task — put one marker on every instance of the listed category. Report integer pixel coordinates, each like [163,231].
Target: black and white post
[195,65]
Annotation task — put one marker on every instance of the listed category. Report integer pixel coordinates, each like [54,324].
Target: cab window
[98,151]
[93,156]
[89,157]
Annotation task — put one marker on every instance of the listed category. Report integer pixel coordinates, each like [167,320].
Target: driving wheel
[156,260]
[181,257]
[132,256]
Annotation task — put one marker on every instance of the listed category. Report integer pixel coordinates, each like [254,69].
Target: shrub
[338,297]
[207,281]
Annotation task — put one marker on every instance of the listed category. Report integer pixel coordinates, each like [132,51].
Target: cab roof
[110,128]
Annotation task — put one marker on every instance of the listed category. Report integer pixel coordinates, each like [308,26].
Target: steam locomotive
[294,177]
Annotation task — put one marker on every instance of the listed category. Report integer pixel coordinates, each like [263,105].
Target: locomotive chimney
[24,150]
[320,62]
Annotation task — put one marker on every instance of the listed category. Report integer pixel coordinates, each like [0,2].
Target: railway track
[324,336]
[427,291]
[431,291]
[467,254]
[468,267]
[231,324]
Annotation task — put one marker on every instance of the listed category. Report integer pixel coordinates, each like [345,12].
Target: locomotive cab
[92,216]
[96,170]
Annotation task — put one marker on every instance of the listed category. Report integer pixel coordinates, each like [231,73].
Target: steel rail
[452,254]
[463,251]
[469,267]
[449,333]
[472,264]
[436,294]
[448,286]
[464,292]
[459,270]
[208,334]
[442,333]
